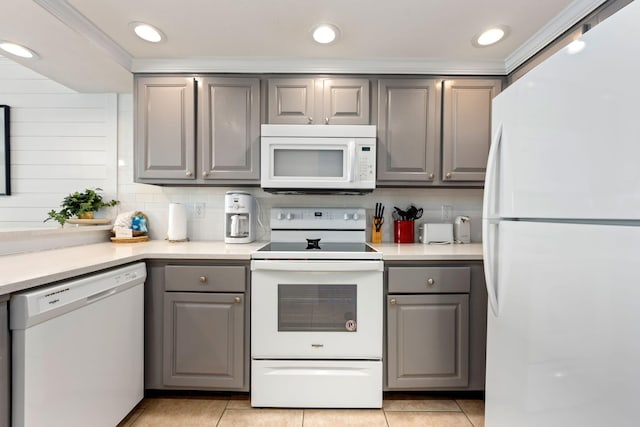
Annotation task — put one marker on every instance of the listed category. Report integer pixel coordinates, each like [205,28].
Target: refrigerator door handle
[490,234]
[489,224]
[491,184]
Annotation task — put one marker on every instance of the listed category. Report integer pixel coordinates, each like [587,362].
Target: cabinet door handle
[237,300]
[448,175]
[326,120]
[431,176]
[189,173]
[205,174]
[393,301]
[431,281]
[310,120]
[203,279]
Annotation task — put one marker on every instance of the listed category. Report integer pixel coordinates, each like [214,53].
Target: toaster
[436,233]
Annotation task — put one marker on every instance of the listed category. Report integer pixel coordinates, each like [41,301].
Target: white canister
[177,229]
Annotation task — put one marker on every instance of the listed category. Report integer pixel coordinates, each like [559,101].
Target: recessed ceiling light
[325,33]
[491,36]
[147,32]
[17,50]
[575,46]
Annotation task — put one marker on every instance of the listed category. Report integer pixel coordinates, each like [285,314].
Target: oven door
[304,309]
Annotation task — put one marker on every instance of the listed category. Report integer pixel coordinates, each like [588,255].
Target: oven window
[318,308]
[308,163]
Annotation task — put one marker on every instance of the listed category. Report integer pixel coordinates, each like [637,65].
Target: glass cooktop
[317,250]
[316,246]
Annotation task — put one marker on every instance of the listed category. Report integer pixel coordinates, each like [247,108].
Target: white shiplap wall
[61,142]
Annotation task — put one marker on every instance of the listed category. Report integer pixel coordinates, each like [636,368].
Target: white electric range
[317,312]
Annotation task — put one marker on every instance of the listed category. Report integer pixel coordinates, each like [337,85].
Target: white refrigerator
[561,227]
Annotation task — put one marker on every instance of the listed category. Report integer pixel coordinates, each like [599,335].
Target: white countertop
[23,271]
[27,270]
[432,252]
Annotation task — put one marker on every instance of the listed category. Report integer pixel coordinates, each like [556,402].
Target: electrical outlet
[447,212]
[198,210]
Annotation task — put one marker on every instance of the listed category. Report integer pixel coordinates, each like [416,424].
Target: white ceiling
[87,45]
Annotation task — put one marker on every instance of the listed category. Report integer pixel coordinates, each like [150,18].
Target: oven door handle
[320,266]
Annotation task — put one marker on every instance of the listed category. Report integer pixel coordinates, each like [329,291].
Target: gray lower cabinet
[331,101]
[196,130]
[466,128]
[5,364]
[435,326]
[203,339]
[197,320]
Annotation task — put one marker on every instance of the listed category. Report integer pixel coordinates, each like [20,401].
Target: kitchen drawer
[429,279]
[205,278]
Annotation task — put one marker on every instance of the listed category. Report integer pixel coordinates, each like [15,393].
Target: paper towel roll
[177,229]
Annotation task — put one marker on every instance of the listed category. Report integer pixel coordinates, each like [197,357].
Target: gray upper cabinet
[291,101]
[165,141]
[229,128]
[466,128]
[335,101]
[214,140]
[408,130]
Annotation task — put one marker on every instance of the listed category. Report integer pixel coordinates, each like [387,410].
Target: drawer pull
[237,300]
[430,281]
[392,301]
[203,279]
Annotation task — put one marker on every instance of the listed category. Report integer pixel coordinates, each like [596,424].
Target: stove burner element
[313,244]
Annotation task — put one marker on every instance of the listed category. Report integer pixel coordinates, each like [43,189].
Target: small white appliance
[239,217]
[318,158]
[462,229]
[78,350]
[317,329]
[436,233]
[561,236]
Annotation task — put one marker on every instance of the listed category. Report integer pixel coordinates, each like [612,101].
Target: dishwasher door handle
[100,295]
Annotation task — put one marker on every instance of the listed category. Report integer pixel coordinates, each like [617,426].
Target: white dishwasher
[77,350]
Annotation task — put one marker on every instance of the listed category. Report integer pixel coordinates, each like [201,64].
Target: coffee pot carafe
[239,217]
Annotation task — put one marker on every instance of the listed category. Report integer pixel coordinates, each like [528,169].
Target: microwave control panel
[366,163]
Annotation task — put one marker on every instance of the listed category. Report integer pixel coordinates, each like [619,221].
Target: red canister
[403,231]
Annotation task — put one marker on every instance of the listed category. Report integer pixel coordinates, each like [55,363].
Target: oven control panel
[319,218]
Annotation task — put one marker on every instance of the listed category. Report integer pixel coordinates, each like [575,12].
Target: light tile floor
[235,410]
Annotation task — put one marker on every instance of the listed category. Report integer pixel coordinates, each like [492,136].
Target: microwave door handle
[351,161]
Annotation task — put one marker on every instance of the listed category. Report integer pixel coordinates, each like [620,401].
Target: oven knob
[355,216]
[289,216]
[346,217]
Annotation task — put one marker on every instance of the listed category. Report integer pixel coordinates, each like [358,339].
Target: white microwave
[318,158]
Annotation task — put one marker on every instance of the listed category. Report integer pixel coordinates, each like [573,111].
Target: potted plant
[82,205]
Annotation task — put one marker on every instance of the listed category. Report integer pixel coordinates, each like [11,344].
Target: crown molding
[72,18]
[575,12]
[302,65]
